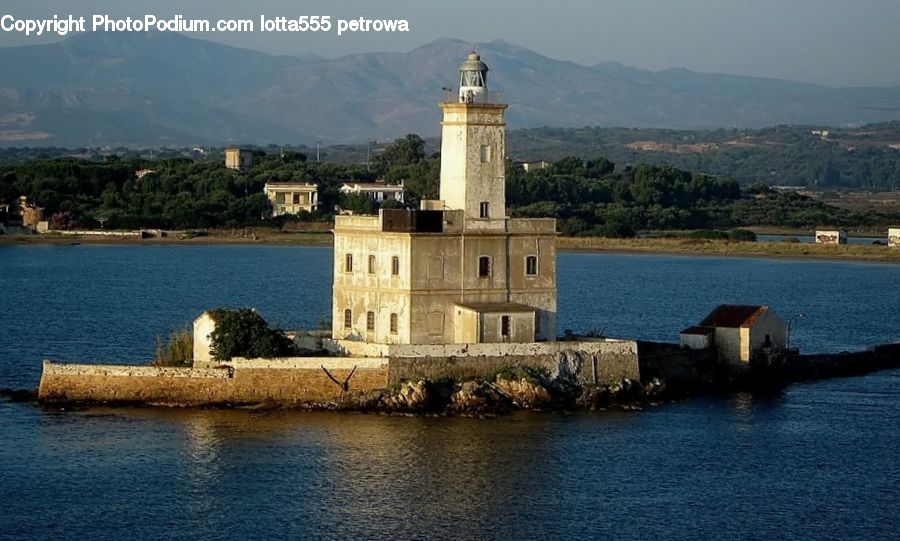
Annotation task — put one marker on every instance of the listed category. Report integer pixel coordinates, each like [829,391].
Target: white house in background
[742,333]
[894,237]
[535,165]
[292,197]
[376,191]
[831,236]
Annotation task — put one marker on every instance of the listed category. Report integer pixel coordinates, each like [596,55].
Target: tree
[405,151]
[243,332]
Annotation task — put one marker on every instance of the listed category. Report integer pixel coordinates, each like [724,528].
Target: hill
[164,89]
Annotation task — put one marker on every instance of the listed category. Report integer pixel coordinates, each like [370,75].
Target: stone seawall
[265,383]
[584,362]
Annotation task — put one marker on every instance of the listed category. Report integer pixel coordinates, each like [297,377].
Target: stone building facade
[457,270]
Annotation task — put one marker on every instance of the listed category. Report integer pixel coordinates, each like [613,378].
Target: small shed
[493,322]
[744,333]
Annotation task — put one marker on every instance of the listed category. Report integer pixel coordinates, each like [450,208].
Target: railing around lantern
[490,97]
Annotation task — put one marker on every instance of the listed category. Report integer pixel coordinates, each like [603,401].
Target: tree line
[588,197]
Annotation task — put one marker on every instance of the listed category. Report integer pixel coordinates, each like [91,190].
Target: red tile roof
[733,316]
[696,329]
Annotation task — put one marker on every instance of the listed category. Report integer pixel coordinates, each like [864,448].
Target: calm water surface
[818,461]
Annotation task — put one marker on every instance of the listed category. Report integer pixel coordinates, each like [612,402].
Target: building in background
[239,159]
[831,236]
[894,237]
[291,197]
[376,191]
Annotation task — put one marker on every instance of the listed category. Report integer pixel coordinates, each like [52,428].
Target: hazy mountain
[150,89]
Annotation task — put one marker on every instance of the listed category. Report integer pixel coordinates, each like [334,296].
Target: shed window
[504,326]
[531,265]
[393,323]
[371,264]
[348,263]
[370,321]
[348,318]
[484,266]
[395,266]
[485,209]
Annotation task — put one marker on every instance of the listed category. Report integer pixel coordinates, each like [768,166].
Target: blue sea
[816,461]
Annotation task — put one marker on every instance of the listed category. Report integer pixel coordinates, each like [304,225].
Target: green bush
[179,351]
[744,235]
[243,332]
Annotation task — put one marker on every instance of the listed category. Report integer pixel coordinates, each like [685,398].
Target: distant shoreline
[671,246]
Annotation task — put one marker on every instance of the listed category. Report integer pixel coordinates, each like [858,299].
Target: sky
[831,42]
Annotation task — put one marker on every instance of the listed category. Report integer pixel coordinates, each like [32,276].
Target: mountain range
[164,89]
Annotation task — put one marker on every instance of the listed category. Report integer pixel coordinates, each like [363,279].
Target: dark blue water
[819,461]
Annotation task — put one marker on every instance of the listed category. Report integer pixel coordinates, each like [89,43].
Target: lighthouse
[458,270]
[473,149]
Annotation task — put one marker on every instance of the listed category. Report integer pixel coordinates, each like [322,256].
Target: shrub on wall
[243,332]
[179,351]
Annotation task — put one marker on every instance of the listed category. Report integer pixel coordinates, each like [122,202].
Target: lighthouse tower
[473,149]
[457,270]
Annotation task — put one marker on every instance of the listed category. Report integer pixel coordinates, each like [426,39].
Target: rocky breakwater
[513,389]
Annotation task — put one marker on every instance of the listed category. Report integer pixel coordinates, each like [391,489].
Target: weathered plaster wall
[473,155]
[203,328]
[728,342]
[249,382]
[771,325]
[588,362]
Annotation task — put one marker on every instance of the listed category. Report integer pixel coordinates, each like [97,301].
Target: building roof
[291,185]
[733,316]
[371,186]
[698,330]
[496,307]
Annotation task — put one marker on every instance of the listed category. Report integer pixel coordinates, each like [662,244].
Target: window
[296,199]
[435,323]
[531,268]
[371,264]
[485,154]
[393,323]
[370,321]
[348,263]
[484,266]
[395,266]
[436,266]
[504,326]
[485,209]
[348,318]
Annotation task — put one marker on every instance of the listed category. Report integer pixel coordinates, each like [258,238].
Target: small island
[450,308]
